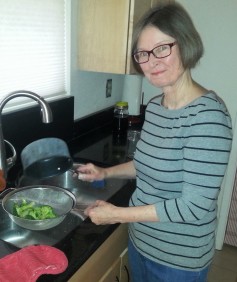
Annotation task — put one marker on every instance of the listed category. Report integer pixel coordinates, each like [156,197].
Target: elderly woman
[180,160]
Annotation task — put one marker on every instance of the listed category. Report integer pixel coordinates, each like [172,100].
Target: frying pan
[61,200]
[45,158]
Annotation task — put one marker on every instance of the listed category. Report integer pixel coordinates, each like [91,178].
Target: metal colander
[61,200]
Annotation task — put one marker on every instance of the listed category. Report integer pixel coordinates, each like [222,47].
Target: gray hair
[173,20]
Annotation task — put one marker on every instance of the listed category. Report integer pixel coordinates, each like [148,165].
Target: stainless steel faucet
[47,117]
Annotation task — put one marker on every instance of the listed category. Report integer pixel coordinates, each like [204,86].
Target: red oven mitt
[30,262]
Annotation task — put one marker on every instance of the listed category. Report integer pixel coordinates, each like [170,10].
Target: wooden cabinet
[113,274]
[124,267]
[119,271]
[105,31]
[109,262]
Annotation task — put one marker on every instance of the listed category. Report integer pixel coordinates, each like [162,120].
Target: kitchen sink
[85,193]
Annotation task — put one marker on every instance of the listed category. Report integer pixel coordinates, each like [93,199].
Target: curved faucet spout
[47,117]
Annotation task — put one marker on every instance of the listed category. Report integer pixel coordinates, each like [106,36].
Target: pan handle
[78,210]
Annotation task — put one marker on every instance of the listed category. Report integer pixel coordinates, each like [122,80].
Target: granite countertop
[101,148]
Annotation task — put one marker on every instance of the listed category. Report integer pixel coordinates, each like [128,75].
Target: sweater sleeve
[206,149]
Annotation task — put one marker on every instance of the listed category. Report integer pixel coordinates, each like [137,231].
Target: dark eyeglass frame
[151,52]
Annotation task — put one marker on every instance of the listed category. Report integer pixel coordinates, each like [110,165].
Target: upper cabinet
[105,29]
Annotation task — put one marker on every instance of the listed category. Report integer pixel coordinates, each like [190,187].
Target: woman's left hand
[101,212]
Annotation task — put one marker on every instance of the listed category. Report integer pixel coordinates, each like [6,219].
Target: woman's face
[162,72]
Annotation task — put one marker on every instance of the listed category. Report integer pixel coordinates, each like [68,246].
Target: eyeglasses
[159,52]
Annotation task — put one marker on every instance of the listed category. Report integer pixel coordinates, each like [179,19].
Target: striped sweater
[180,161]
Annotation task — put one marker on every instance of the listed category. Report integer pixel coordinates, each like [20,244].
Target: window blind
[32,47]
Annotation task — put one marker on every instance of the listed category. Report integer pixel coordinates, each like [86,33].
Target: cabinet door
[104,257]
[113,273]
[102,35]
[124,270]
[105,30]
[137,10]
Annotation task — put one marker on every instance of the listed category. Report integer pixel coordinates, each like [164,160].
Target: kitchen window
[32,49]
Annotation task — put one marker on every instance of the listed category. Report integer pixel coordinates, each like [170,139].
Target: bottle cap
[122,104]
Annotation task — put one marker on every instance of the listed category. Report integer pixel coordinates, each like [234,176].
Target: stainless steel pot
[46,157]
[61,200]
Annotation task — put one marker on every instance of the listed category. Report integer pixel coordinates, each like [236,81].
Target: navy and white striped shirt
[180,161]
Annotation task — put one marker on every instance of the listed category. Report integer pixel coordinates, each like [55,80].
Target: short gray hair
[173,20]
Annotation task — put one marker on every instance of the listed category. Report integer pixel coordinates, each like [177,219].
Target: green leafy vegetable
[29,210]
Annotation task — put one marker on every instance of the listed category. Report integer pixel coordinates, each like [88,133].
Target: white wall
[89,91]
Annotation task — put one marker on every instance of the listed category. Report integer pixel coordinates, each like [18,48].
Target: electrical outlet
[108,92]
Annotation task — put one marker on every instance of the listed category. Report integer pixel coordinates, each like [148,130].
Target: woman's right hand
[90,172]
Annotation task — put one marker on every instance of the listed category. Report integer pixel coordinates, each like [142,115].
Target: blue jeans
[145,270]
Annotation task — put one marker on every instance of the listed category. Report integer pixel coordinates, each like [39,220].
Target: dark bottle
[120,120]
